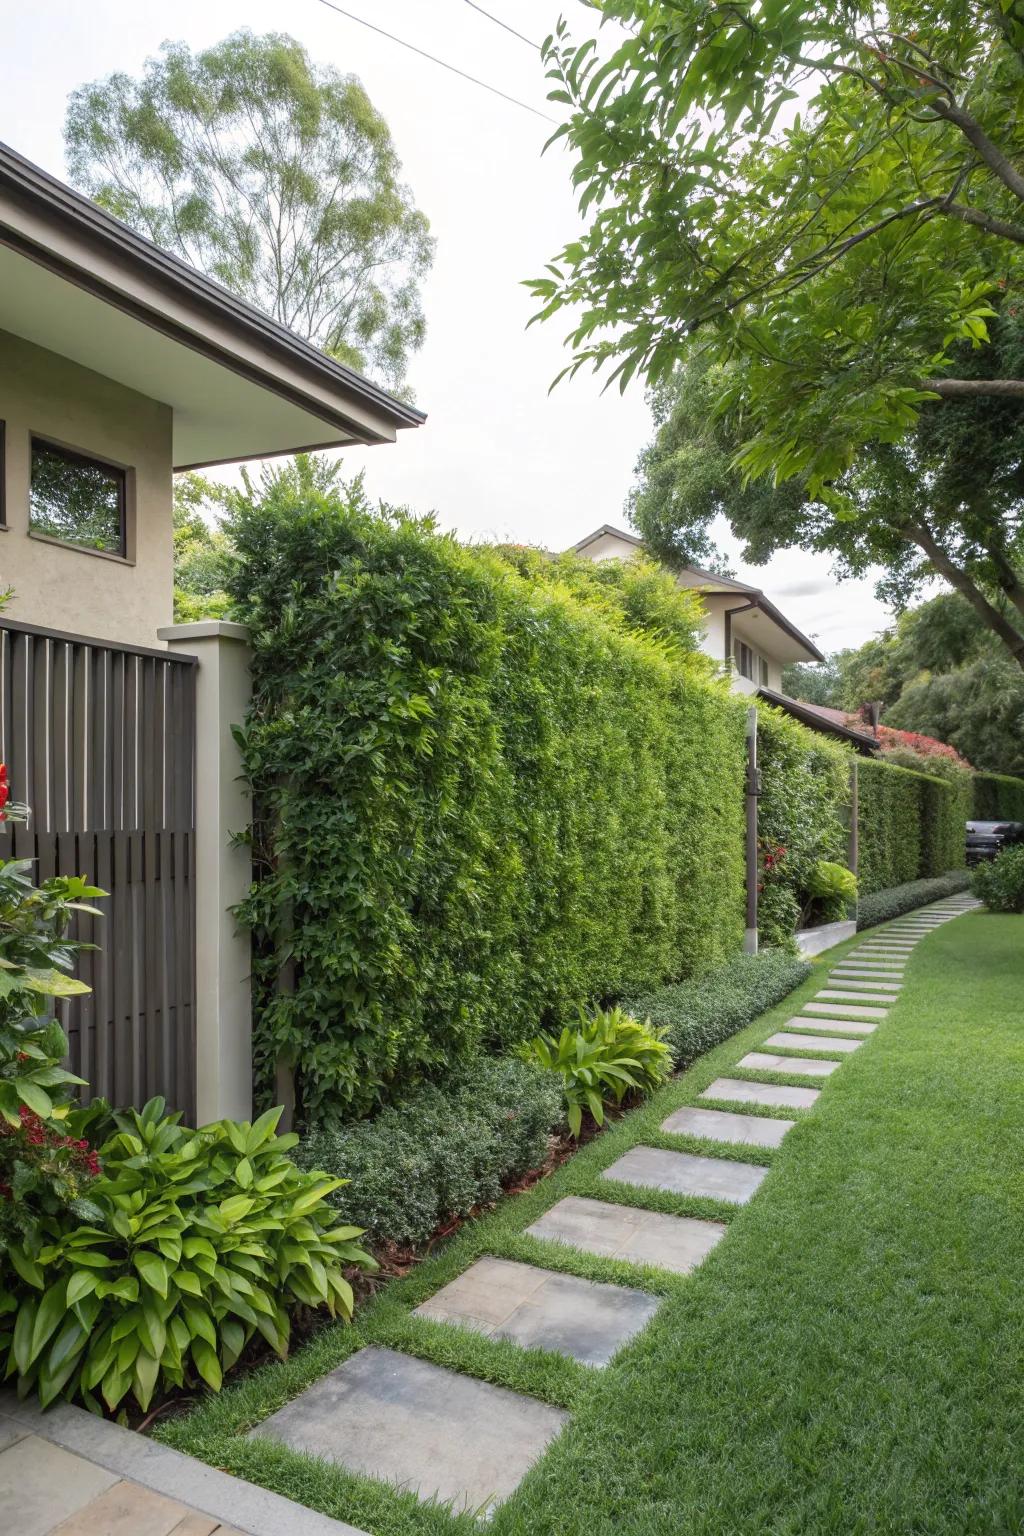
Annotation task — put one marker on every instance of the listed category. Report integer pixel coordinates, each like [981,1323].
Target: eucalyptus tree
[274,175]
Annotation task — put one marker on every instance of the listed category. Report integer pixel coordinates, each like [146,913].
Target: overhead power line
[454,69]
[499,23]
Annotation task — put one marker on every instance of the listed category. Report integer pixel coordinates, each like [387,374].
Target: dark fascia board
[616,533]
[768,607]
[45,193]
[865,744]
[726,585]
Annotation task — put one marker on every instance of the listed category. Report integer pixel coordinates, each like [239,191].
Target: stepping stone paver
[801,1066]
[852,997]
[775,1095]
[41,1485]
[811,1042]
[433,1431]
[723,1125]
[847,1026]
[541,1309]
[685,1173]
[858,979]
[675,1243]
[850,1008]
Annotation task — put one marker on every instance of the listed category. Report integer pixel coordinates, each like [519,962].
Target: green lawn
[849,1360]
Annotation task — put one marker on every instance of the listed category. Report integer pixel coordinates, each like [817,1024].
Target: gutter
[46,195]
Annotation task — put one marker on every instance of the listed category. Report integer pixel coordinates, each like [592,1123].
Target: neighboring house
[745,632]
[118,365]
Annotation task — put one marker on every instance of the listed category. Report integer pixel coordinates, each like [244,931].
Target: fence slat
[99,742]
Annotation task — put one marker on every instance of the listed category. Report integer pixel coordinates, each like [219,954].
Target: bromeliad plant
[607,1055]
[201,1239]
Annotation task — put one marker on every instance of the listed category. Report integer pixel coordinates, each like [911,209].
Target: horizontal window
[77,499]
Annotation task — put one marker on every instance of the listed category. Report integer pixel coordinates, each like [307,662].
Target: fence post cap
[204,629]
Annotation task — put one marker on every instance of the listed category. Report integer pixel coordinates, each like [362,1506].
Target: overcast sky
[499,457]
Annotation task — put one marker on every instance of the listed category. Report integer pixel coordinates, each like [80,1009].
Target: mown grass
[847,1361]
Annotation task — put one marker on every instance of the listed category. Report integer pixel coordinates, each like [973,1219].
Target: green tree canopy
[946,499]
[826,190]
[273,175]
[937,671]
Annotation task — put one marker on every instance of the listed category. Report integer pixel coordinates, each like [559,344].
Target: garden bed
[814,941]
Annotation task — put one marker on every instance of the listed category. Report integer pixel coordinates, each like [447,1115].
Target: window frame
[740,647]
[120,473]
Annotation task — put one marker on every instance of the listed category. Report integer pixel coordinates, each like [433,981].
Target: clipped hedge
[481,797]
[700,1014]
[997,797]
[441,1150]
[803,810]
[882,906]
[911,825]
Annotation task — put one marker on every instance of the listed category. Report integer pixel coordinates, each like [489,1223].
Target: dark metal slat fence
[99,741]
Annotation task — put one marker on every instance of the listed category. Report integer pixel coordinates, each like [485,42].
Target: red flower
[5,790]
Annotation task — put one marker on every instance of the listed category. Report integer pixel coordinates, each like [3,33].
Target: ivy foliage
[488,790]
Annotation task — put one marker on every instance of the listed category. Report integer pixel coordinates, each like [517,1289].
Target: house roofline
[727,585]
[46,194]
[808,715]
[598,533]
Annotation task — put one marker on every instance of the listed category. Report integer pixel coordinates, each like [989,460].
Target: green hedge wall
[481,797]
[804,809]
[911,825]
[997,797]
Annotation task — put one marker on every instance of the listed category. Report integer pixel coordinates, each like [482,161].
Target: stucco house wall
[58,585]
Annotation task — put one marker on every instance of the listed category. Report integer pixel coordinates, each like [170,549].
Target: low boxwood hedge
[441,1150]
[882,906]
[700,1014]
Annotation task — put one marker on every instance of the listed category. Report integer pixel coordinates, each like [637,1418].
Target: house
[120,364]
[745,632]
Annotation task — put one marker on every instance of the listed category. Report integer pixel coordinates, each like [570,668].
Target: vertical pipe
[753,789]
[854,853]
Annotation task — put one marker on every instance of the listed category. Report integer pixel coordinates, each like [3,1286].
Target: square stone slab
[684,1173]
[834,1026]
[434,1431]
[128,1509]
[777,1095]
[41,1484]
[801,1066]
[853,997]
[851,1008]
[721,1125]
[676,1243]
[811,1042]
[540,1309]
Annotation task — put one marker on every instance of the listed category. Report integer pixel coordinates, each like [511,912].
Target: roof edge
[806,715]
[30,182]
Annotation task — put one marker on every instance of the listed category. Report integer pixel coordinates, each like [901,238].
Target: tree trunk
[922,536]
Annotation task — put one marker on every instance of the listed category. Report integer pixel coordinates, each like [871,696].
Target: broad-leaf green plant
[43,1169]
[201,1240]
[600,1060]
